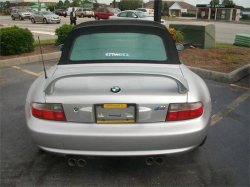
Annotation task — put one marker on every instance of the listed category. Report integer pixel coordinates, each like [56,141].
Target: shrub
[15,40]
[188,15]
[245,17]
[62,33]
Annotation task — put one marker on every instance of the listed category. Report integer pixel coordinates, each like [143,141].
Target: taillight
[184,111]
[49,111]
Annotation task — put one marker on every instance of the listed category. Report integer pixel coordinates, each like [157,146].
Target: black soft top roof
[120,26]
[119,22]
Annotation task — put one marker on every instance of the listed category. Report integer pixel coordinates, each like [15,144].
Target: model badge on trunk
[115,89]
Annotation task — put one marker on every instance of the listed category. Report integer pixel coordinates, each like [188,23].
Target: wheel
[96,18]
[32,20]
[65,16]
[89,16]
[13,18]
[82,15]
[45,21]
[20,17]
[58,22]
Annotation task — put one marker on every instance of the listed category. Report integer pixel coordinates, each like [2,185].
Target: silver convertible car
[119,89]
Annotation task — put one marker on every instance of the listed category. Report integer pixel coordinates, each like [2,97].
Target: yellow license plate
[116,121]
[114,105]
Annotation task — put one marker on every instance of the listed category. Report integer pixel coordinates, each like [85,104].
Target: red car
[104,13]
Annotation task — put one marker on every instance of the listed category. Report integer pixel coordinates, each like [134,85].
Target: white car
[134,14]
[68,10]
[148,10]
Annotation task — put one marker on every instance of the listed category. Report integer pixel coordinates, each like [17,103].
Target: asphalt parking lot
[222,161]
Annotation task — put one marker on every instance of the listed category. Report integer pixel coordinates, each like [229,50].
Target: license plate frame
[115,107]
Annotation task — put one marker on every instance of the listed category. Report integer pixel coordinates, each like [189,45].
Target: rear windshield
[20,10]
[118,46]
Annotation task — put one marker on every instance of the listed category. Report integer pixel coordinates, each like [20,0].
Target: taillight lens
[49,111]
[184,111]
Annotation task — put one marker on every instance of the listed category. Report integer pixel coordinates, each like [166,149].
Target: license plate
[115,113]
[114,105]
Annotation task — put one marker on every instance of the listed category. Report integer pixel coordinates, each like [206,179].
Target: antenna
[45,74]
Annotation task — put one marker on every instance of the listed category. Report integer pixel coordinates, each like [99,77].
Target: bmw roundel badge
[115,89]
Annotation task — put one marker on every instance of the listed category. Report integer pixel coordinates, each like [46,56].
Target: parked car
[31,11]
[134,14]
[131,97]
[148,10]
[45,17]
[84,12]
[104,13]
[68,10]
[21,14]
[60,12]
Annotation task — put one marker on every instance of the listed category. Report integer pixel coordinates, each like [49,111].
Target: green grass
[45,42]
[223,45]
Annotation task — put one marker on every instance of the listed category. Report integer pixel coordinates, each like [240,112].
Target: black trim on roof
[120,26]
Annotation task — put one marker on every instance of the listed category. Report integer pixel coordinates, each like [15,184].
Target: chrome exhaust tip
[159,161]
[72,162]
[150,161]
[81,163]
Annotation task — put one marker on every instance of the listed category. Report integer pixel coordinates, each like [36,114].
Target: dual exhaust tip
[150,161]
[80,162]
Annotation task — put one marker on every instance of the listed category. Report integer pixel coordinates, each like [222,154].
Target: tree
[59,4]
[7,5]
[228,2]
[75,3]
[66,2]
[130,4]
[165,9]
[214,2]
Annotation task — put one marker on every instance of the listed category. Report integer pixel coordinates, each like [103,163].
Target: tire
[32,20]
[65,16]
[12,17]
[97,18]
[89,16]
[82,15]
[58,22]
[20,18]
[45,21]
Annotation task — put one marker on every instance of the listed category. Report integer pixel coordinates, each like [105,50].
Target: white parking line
[221,114]
[42,28]
[42,32]
[35,25]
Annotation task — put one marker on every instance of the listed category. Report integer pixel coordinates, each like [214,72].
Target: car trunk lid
[145,94]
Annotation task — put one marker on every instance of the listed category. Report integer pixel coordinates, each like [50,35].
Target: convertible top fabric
[120,26]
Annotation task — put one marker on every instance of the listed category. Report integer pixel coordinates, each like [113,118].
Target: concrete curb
[29,59]
[229,78]
[3,24]
[232,77]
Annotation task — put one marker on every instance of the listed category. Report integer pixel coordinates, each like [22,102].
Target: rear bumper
[68,138]
[26,17]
